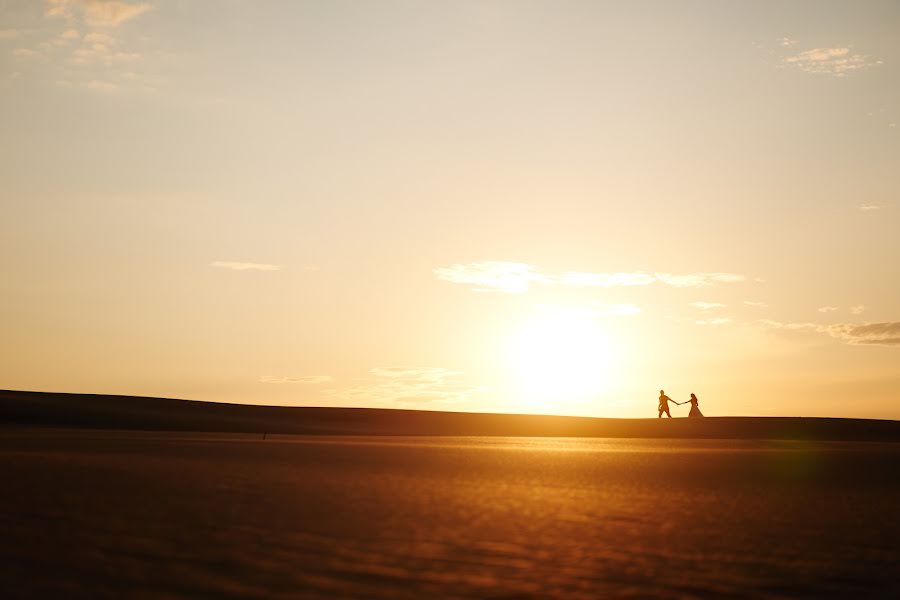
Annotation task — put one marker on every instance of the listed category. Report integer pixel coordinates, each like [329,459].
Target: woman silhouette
[695,412]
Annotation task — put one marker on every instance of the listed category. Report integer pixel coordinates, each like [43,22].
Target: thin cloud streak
[492,276]
[576,278]
[707,305]
[714,321]
[830,61]
[519,277]
[867,334]
[99,85]
[698,279]
[98,13]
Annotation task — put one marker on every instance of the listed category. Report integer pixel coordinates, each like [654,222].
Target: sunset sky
[515,206]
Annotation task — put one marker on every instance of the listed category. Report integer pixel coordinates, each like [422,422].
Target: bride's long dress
[695,411]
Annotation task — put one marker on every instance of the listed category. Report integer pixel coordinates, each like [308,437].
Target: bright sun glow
[558,359]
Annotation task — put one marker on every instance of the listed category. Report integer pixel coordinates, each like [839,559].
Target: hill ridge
[102,411]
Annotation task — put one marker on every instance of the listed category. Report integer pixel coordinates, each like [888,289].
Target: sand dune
[37,409]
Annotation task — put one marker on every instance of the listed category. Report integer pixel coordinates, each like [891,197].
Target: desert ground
[107,513]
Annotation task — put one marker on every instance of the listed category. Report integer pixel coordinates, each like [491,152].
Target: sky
[522,206]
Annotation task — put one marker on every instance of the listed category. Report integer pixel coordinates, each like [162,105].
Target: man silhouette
[664,404]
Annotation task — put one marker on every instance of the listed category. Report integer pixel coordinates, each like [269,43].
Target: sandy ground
[113,514]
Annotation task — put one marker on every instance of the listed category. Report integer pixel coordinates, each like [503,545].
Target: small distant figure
[664,404]
[695,411]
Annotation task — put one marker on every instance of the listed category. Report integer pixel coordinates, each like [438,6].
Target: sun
[559,359]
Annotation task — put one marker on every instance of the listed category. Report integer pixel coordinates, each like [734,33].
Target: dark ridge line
[111,412]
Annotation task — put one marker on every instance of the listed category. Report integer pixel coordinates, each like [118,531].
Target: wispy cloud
[492,276]
[98,47]
[25,53]
[577,278]
[518,277]
[92,52]
[707,305]
[858,309]
[715,321]
[303,379]
[97,13]
[827,309]
[867,334]
[244,266]
[880,334]
[868,207]
[698,279]
[9,34]
[102,86]
[830,61]
[755,303]
[409,384]
[417,373]
[786,41]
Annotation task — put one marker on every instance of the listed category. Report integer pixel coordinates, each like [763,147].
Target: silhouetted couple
[664,405]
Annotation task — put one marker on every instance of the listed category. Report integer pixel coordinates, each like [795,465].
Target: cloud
[868,334]
[577,278]
[9,34]
[518,277]
[100,48]
[409,384]
[492,276]
[100,52]
[786,41]
[97,13]
[96,37]
[303,379]
[827,309]
[858,309]
[707,305]
[642,278]
[418,373]
[715,321]
[698,279]
[753,303]
[874,334]
[868,207]
[790,326]
[99,85]
[831,61]
[244,266]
